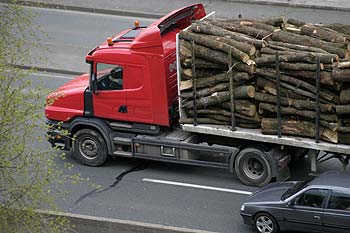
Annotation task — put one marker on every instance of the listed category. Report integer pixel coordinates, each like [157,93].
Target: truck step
[123,154]
[122,141]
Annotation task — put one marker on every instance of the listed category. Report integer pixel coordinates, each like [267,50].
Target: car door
[110,101]
[306,211]
[336,217]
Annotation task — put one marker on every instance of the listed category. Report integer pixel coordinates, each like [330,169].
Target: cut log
[295,57]
[297,47]
[297,128]
[325,77]
[341,75]
[222,96]
[323,33]
[206,91]
[298,104]
[275,21]
[212,113]
[342,109]
[243,107]
[342,28]
[342,65]
[206,28]
[220,57]
[244,47]
[344,129]
[250,31]
[263,107]
[299,66]
[345,96]
[296,22]
[202,64]
[309,41]
[216,45]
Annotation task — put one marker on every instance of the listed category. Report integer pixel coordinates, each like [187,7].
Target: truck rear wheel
[252,167]
[89,147]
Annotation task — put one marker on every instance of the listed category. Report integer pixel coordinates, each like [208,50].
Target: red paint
[149,74]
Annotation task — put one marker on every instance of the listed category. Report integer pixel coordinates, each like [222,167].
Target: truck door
[110,100]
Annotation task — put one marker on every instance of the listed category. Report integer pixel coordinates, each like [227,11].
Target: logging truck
[129,105]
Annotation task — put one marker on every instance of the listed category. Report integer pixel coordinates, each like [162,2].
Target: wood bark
[296,22]
[244,107]
[221,58]
[250,31]
[297,47]
[342,109]
[295,57]
[206,91]
[207,28]
[265,107]
[295,103]
[202,64]
[274,21]
[342,28]
[297,128]
[309,41]
[216,45]
[341,75]
[244,47]
[323,33]
[325,76]
[345,96]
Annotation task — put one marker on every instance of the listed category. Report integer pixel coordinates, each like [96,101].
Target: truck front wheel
[89,147]
[252,167]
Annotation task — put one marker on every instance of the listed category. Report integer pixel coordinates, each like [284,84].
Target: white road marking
[197,186]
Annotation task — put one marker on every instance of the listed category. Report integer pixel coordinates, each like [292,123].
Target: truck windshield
[294,189]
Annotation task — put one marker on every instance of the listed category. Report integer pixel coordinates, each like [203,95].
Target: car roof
[332,179]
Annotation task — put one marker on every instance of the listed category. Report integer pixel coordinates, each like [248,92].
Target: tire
[89,148]
[265,223]
[252,167]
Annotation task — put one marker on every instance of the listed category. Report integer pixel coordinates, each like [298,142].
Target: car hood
[271,192]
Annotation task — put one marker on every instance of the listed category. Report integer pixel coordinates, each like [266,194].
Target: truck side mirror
[93,83]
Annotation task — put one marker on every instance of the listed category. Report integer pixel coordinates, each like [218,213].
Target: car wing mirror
[289,204]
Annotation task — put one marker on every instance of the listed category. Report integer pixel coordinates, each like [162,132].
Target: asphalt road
[131,189]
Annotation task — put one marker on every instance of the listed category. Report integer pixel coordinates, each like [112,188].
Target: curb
[85,9]
[157,16]
[92,224]
[49,70]
[290,4]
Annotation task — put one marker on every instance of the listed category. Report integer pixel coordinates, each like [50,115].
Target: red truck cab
[132,76]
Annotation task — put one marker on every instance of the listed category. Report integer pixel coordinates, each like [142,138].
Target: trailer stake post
[194,81]
[278,96]
[317,117]
[232,97]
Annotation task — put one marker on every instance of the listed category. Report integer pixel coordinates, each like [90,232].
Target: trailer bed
[256,135]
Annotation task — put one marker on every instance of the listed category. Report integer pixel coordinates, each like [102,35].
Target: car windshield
[294,189]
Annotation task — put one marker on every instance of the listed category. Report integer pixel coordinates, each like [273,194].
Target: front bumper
[247,218]
[57,135]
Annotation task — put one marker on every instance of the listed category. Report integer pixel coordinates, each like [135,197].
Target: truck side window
[109,77]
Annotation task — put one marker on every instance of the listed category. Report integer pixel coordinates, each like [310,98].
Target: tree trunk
[341,75]
[309,41]
[244,47]
[220,57]
[297,128]
[345,96]
[342,109]
[324,34]
[207,28]
[295,57]
[325,77]
[216,45]
[243,107]
[263,107]
[298,104]
[301,48]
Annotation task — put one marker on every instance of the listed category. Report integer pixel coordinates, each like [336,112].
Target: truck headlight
[242,207]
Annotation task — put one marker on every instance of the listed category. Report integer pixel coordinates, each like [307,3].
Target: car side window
[109,77]
[339,201]
[311,198]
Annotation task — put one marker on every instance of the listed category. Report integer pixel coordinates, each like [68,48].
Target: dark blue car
[318,205]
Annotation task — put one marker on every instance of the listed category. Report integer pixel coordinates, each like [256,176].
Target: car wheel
[252,167]
[89,147]
[265,223]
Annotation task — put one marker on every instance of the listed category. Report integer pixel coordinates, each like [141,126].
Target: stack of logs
[251,47]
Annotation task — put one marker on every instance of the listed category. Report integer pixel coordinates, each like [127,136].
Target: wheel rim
[264,224]
[253,168]
[88,148]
